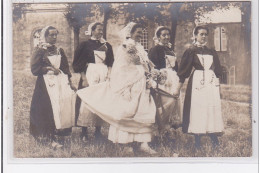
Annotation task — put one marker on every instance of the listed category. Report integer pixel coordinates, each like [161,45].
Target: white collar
[199,44]
[169,45]
[102,40]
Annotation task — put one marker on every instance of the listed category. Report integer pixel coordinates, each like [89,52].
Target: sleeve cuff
[182,80]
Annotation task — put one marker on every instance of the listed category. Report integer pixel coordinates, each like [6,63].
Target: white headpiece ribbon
[88,32]
[43,42]
[126,31]
[156,39]
[194,38]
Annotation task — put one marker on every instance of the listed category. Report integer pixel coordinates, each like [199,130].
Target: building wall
[235,56]
[32,20]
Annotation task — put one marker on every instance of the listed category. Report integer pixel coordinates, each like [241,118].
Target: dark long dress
[41,113]
[84,54]
[189,61]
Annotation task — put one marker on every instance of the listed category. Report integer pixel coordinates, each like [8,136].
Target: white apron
[205,111]
[172,106]
[96,73]
[61,95]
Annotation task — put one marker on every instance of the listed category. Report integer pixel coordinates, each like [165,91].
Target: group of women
[135,92]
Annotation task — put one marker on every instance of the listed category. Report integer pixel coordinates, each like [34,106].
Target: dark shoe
[144,147]
[167,139]
[84,138]
[215,144]
[214,140]
[176,126]
[197,142]
[99,138]
[56,145]
[156,141]
[84,134]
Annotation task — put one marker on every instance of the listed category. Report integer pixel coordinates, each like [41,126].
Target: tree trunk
[106,17]
[174,21]
[246,37]
[76,37]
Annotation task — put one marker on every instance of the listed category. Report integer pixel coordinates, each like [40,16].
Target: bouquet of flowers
[130,48]
[155,77]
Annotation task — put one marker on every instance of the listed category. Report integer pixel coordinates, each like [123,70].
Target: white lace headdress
[194,37]
[42,40]
[42,35]
[89,31]
[126,31]
[156,39]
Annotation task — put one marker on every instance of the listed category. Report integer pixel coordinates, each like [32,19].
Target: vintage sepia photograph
[132,79]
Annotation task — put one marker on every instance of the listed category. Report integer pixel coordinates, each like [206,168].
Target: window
[144,40]
[224,76]
[220,39]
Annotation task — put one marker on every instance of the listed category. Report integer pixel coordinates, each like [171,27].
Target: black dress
[157,56]
[41,113]
[190,61]
[84,54]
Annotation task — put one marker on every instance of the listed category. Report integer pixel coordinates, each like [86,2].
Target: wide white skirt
[128,118]
[96,73]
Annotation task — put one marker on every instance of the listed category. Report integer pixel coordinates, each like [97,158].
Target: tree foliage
[19,11]
[77,13]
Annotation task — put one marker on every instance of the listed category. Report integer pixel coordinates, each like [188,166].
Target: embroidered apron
[205,111]
[62,97]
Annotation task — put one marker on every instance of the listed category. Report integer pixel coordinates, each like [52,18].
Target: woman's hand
[85,83]
[53,70]
[108,73]
[84,80]
[176,93]
[56,71]
[73,87]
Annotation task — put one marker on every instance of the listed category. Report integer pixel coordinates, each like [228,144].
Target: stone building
[226,37]
[26,31]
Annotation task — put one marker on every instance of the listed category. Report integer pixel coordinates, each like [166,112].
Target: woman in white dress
[125,101]
[202,105]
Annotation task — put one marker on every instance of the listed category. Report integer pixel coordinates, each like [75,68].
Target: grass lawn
[235,142]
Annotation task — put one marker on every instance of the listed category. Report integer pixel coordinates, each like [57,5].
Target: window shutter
[217,39]
[223,39]
[232,75]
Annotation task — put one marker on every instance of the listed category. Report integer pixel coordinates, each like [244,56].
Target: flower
[162,77]
[130,48]
[155,77]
